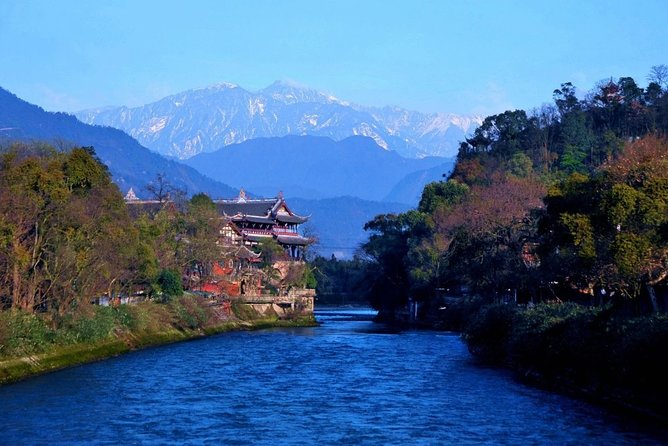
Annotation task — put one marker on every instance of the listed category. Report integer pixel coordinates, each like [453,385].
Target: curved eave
[293,240]
[247,254]
[253,219]
[295,219]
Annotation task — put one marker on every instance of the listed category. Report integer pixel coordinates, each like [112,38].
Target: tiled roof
[246,207]
[293,240]
[256,237]
[254,219]
[284,218]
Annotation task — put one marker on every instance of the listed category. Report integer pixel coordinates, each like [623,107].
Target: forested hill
[571,135]
[569,201]
[131,164]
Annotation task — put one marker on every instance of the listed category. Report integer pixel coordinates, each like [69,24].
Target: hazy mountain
[312,167]
[409,189]
[338,222]
[356,166]
[203,120]
[130,164]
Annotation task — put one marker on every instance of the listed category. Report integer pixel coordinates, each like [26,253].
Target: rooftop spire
[242,196]
[130,196]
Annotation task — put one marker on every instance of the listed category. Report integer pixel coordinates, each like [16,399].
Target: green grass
[32,344]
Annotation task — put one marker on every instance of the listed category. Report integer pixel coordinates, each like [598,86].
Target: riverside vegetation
[66,239]
[32,343]
[562,211]
[547,245]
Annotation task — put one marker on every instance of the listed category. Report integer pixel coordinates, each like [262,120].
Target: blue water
[345,382]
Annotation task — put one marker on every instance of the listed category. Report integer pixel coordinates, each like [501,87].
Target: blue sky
[463,57]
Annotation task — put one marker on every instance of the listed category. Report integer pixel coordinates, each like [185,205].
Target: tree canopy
[562,201]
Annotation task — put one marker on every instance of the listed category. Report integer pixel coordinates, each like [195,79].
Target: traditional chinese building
[248,222]
[245,222]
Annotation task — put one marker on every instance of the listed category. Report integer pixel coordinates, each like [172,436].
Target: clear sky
[451,56]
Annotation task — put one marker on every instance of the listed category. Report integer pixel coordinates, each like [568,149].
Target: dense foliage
[340,281]
[65,234]
[67,237]
[566,202]
[547,246]
[577,347]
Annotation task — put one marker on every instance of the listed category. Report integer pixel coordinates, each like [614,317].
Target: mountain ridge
[131,164]
[204,119]
[315,167]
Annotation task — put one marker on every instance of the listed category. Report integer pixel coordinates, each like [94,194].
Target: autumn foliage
[566,202]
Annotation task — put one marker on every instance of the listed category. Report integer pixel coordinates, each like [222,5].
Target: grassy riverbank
[591,352]
[36,344]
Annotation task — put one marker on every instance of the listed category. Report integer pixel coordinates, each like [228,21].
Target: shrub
[149,316]
[457,314]
[189,315]
[125,316]
[642,351]
[100,326]
[24,333]
[4,333]
[487,334]
[565,339]
[170,285]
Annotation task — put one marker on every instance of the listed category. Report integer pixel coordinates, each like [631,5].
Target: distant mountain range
[130,164]
[316,167]
[340,184]
[206,119]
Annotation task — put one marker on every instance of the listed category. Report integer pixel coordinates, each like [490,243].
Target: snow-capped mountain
[206,119]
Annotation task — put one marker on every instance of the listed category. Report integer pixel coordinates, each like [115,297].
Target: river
[348,381]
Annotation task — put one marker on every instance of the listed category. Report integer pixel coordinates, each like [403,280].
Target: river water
[345,382]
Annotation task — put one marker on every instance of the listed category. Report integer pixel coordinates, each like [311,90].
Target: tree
[577,142]
[610,229]
[163,190]
[83,170]
[520,165]
[658,74]
[501,135]
[202,223]
[542,137]
[67,236]
[565,99]
[441,193]
[387,248]
[484,236]
[170,284]
[635,204]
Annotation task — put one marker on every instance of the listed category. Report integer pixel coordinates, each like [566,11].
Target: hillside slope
[131,164]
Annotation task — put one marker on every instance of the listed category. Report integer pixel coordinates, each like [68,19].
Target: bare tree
[659,75]
[162,190]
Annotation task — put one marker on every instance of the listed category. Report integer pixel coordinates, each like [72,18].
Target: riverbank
[31,345]
[593,353]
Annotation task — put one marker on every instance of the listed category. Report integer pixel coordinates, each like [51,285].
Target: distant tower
[242,196]
[130,196]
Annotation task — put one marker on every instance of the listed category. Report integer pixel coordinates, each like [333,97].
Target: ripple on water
[342,383]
